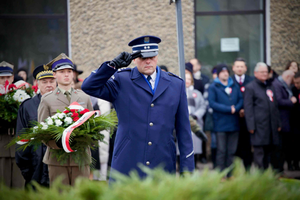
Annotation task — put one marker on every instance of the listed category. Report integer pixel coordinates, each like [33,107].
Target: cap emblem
[146,39]
[46,68]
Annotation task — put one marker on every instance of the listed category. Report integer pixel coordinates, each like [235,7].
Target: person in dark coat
[295,125]
[226,100]
[150,104]
[244,145]
[30,161]
[286,101]
[262,116]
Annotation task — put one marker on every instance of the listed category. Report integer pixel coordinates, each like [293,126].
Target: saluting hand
[122,60]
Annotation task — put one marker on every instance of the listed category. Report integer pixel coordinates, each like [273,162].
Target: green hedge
[163,186]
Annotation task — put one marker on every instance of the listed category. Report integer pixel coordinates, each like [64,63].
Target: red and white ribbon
[270,94]
[68,131]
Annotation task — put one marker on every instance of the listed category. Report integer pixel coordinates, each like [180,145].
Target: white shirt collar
[153,76]
[237,78]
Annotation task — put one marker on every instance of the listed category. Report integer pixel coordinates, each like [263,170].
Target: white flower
[61,115]
[45,127]
[58,122]
[68,120]
[43,123]
[23,97]
[54,116]
[35,128]
[49,121]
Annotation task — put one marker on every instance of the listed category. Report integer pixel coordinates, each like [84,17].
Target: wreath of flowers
[11,98]
[76,129]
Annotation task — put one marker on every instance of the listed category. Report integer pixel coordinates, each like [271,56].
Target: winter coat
[221,102]
[146,117]
[261,113]
[285,104]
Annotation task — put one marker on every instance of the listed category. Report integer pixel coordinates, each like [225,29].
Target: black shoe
[203,160]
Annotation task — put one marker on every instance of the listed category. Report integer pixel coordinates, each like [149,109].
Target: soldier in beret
[60,98]
[150,104]
[10,174]
[30,161]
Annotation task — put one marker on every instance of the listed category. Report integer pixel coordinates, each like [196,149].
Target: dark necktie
[68,95]
[241,83]
[148,79]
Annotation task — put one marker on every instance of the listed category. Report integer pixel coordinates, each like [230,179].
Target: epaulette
[171,74]
[124,69]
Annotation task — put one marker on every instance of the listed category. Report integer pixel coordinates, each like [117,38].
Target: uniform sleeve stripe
[190,154]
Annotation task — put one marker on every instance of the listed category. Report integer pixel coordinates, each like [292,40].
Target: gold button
[152,105]
[149,143]
[151,124]
[147,163]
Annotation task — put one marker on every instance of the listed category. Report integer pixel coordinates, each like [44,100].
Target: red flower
[73,110]
[84,111]
[74,115]
[35,88]
[66,111]
[75,118]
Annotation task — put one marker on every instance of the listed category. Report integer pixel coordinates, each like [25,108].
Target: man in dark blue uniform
[150,104]
[29,160]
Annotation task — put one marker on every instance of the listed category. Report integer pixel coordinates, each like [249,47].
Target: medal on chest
[228,90]
[270,94]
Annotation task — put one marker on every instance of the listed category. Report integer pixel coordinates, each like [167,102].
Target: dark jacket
[294,120]
[29,160]
[221,104]
[200,83]
[261,112]
[147,118]
[285,105]
[247,80]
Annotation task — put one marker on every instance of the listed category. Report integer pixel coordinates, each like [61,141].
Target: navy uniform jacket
[146,121]
[30,161]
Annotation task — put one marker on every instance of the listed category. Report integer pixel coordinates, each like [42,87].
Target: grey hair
[260,64]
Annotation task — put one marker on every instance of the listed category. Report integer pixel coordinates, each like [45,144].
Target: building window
[227,29]
[32,32]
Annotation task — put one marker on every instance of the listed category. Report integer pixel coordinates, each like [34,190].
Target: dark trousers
[226,148]
[262,155]
[244,145]
[291,148]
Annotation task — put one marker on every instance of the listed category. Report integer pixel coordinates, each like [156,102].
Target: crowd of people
[254,118]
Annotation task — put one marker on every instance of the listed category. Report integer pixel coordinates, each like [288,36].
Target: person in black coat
[286,100]
[262,116]
[244,145]
[30,161]
[295,125]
